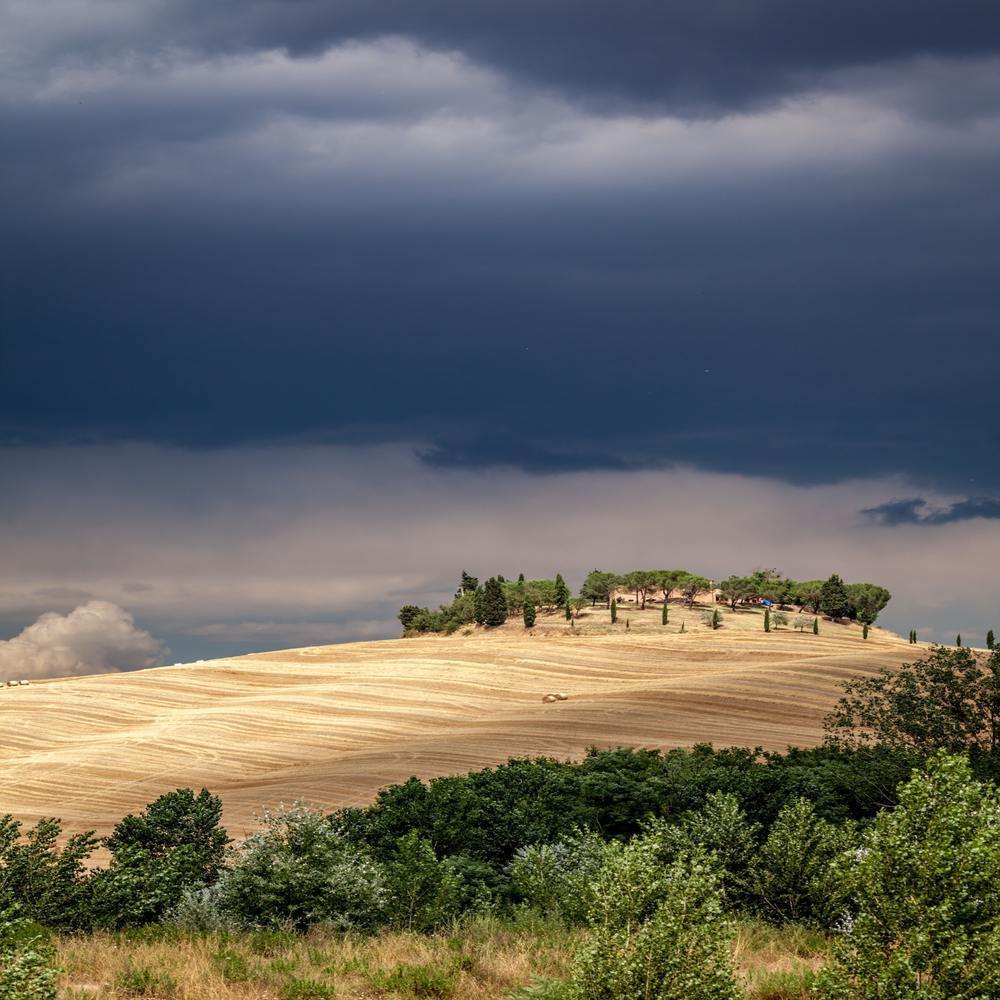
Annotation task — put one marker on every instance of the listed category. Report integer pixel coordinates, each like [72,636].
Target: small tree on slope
[529,614]
[928,913]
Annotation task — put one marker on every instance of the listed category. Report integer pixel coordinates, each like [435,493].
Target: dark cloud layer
[916,510]
[692,56]
[757,237]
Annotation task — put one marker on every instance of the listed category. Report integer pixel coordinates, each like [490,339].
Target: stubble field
[332,724]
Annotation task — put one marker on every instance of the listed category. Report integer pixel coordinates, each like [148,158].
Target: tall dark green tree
[958,639]
[767,619]
[665,617]
[833,598]
[495,603]
[469,584]
[529,614]
[562,591]
[614,610]
[864,631]
[990,640]
[815,626]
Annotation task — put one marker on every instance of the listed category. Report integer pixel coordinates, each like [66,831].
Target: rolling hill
[333,724]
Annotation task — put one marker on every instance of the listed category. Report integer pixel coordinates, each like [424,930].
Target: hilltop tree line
[498,599]
[879,834]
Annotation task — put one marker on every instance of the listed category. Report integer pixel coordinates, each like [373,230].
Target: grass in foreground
[480,960]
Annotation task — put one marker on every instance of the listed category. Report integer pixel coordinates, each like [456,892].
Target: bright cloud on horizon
[96,637]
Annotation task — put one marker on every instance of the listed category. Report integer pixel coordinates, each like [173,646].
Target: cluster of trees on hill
[878,833]
[489,604]
[498,599]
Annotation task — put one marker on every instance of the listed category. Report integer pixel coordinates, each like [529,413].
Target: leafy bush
[925,883]
[27,970]
[721,829]
[298,870]
[555,879]
[422,892]
[793,876]
[657,931]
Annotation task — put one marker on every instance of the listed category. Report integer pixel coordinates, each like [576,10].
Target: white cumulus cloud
[96,637]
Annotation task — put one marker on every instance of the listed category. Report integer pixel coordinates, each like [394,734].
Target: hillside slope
[333,724]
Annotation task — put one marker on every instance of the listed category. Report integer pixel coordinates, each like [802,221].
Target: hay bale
[549,698]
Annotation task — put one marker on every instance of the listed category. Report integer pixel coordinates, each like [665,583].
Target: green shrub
[298,870]
[656,931]
[925,884]
[721,829]
[27,970]
[555,879]
[793,876]
[421,891]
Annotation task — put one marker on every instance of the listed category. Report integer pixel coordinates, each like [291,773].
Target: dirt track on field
[333,724]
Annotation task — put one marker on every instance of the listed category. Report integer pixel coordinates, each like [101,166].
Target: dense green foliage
[948,700]
[833,599]
[924,885]
[27,970]
[658,929]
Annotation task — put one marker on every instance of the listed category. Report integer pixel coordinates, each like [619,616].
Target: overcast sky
[307,306]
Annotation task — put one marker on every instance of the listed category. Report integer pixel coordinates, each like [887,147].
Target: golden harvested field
[333,724]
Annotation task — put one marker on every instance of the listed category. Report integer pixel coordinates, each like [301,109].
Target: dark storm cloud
[917,510]
[516,254]
[693,56]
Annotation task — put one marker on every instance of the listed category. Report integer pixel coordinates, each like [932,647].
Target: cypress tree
[562,591]
[569,612]
[495,603]
[529,614]
[990,640]
[958,639]
[628,624]
[815,626]
[520,578]
[682,626]
[614,610]
[864,631]
[666,614]
[767,619]
[716,619]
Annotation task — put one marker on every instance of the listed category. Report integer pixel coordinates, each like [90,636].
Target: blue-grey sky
[449,247]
